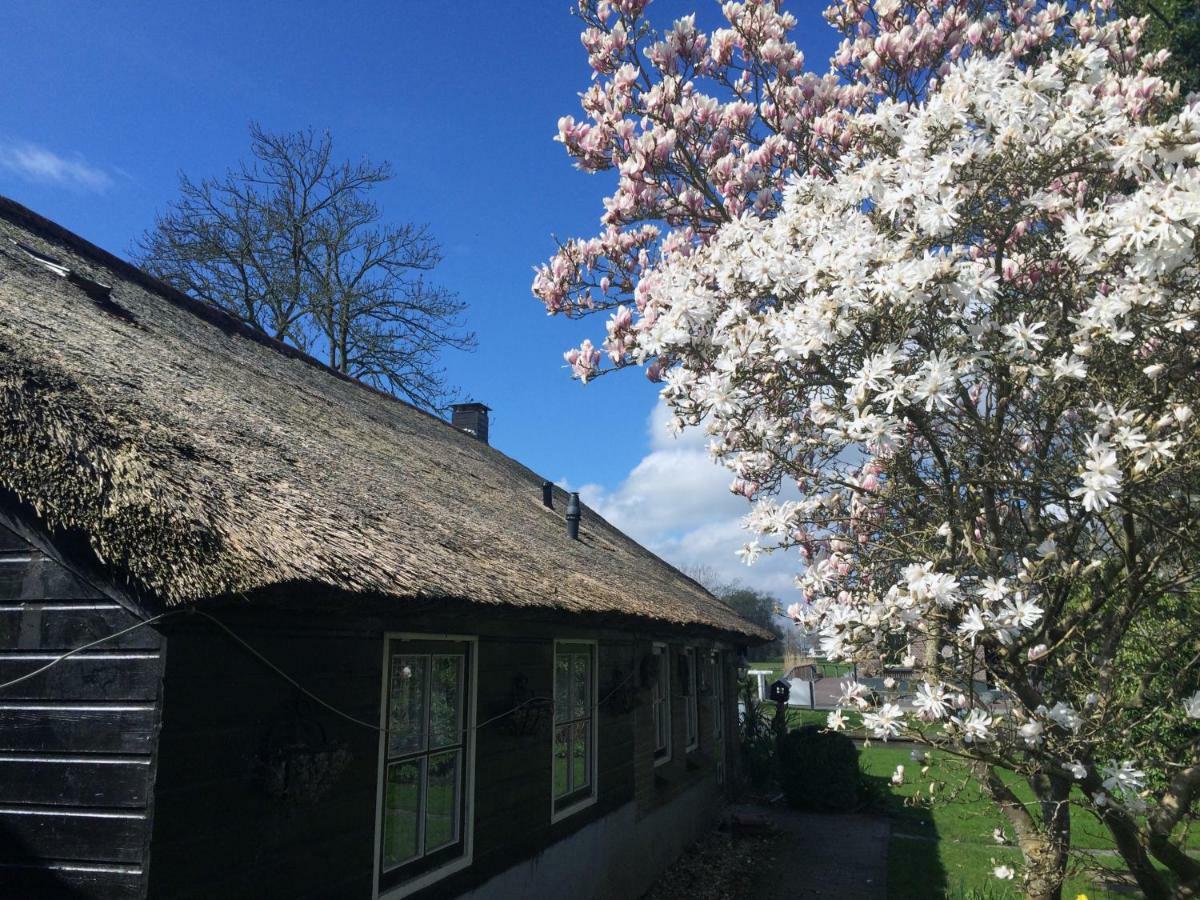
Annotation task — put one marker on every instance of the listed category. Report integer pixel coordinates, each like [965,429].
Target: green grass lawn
[946,848]
[798,717]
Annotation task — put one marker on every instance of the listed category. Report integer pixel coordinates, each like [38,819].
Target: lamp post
[781,690]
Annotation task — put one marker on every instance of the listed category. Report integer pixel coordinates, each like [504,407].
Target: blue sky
[106,103]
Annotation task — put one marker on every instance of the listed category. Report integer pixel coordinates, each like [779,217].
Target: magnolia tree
[948,291]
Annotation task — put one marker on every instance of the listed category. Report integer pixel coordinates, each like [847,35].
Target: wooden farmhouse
[266,632]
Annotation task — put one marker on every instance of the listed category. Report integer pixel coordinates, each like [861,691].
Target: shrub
[757,739]
[818,770]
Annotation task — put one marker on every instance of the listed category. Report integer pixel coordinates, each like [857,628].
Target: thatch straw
[201,459]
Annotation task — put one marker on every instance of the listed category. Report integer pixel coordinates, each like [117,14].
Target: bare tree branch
[293,243]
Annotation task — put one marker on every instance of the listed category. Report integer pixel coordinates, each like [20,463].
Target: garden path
[835,856]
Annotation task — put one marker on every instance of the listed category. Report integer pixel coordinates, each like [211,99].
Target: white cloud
[32,162]
[676,502]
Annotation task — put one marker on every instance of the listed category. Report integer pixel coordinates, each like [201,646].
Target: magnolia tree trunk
[1044,844]
[1133,852]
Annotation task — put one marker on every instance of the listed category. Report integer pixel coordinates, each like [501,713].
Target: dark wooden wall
[656,785]
[77,742]
[263,792]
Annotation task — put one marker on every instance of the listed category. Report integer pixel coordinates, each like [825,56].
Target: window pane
[562,687]
[662,674]
[445,701]
[659,730]
[402,813]
[579,686]
[719,693]
[580,762]
[406,713]
[441,802]
[562,777]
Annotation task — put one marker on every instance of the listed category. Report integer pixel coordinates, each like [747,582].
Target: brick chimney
[471,418]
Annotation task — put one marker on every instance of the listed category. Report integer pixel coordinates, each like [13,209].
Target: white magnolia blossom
[1191,706]
[931,701]
[1031,733]
[1123,778]
[884,722]
[853,692]
[976,726]
[967,347]
[847,250]
[1101,476]
[1064,715]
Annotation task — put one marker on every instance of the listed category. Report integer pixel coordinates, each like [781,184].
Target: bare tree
[293,243]
[709,578]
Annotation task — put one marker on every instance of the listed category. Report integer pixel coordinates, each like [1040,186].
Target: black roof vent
[574,514]
[471,418]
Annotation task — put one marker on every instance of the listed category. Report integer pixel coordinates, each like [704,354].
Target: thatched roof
[201,459]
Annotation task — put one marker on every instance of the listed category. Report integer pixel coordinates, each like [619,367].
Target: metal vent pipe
[573,516]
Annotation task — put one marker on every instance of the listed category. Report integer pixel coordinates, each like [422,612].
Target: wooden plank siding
[77,741]
[260,791]
[657,785]
[231,726]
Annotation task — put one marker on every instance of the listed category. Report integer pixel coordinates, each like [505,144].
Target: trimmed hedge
[818,770]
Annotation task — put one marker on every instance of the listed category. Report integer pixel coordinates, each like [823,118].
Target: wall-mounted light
[743,663]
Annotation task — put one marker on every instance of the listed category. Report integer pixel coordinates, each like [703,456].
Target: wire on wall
[320,701]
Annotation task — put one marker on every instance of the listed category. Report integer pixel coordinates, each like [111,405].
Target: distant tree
[761,609]
[293,243]
[753,605]
[709,578]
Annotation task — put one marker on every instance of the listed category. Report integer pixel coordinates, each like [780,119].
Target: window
[574,743]
[424,814]
[718,686]
[660,703]
[718,694]
[692,705]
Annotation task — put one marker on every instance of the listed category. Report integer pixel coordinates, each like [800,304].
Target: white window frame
[559,814]
[662,755]
[719,709]
[691,706]
[718,664]
[455,865]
